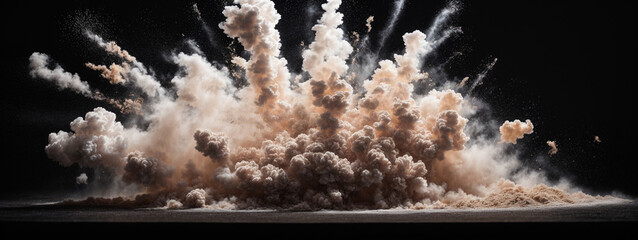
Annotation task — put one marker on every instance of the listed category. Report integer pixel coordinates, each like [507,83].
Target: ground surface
[616,219]
[593,212]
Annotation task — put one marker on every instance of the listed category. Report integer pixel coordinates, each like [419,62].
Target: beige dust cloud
[512,131]
[553,147]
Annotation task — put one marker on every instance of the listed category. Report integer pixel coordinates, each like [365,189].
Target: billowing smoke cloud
[253,24]
[325,61]
[82,179]
[196,198]
[38,66]
[145,170]
[553,147]
[174,204]
[212,145]
[315,145]
[96,140]
[512,131]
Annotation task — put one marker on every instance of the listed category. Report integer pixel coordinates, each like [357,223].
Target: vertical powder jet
[371,58]
[437,34]
[325,61]
[314,146]
[209,32]
[253,25]
[389,28]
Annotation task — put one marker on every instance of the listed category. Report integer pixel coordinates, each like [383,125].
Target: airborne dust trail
[315,146]
[481,75]
[209,32]
[385,33]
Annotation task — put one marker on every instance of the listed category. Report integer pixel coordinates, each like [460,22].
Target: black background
[567,66]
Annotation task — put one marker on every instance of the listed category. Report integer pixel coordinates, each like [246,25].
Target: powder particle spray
[316,145]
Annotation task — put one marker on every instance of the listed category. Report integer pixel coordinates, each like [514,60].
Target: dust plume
[324,143]
[512,131]
[553,147]
[82,179]
[113,73]
[96,140]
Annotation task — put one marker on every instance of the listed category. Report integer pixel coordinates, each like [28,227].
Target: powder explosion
[329,142]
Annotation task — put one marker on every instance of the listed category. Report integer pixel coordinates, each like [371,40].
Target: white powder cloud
[95,140]
[82,179]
